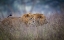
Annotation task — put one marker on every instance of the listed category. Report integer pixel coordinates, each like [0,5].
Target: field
[17,30]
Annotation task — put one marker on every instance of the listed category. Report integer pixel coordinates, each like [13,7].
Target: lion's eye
[40,17]
[31,18]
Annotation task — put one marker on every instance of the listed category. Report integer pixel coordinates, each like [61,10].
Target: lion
[16,28]
[34,19]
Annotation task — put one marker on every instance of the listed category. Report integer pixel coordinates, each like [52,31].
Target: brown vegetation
[15,28]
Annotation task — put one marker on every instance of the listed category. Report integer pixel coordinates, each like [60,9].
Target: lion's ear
[27,15]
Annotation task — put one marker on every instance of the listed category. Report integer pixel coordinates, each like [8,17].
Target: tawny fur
[40,19]
[26,18]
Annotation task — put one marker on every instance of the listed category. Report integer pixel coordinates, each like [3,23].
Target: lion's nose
[33,21]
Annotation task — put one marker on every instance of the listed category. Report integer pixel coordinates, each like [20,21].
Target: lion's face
[40,19]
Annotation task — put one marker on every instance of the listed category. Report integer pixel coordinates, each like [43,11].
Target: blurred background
[52,9]
[18,7]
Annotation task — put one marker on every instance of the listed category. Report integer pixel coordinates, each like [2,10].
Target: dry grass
[53,30]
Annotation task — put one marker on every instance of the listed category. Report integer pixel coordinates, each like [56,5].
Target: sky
[19,7]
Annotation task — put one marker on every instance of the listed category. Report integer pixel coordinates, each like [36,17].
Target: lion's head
[34,19]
